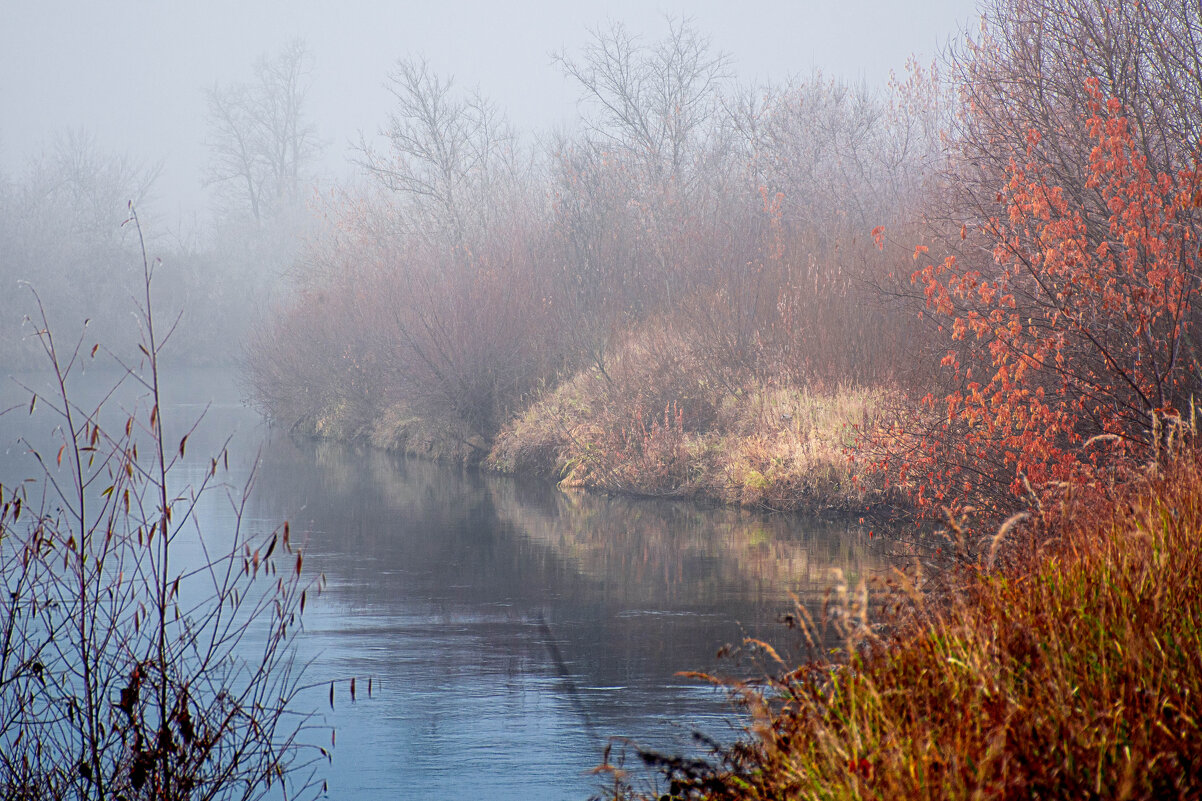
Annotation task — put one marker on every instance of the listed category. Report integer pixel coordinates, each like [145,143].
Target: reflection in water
[513,628]
[509,629]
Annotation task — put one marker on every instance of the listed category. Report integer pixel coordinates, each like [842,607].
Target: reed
[1070,669]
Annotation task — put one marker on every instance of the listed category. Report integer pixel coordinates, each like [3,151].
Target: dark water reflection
[509,629]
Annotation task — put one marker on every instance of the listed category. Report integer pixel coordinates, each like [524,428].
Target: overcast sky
[133,72]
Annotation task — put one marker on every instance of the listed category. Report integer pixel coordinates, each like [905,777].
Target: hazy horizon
[134,77]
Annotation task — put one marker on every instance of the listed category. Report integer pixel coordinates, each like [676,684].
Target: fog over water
[134,73]
[511,628]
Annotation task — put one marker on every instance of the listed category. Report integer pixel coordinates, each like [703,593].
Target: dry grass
[653,424]
[791,449]
[1074,671]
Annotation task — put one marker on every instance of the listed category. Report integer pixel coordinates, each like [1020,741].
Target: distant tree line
[63,232]
[475,269]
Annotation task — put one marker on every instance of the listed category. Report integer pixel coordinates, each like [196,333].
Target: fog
[123,88]
[133,74]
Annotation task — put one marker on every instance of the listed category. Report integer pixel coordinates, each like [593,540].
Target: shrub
[1080,330]
[127,671]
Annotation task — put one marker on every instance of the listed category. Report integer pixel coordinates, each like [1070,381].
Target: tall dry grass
[661,421]
[1073,669]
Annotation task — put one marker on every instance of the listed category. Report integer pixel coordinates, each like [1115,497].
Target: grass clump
[658,422]
[790,449]
[1072,671]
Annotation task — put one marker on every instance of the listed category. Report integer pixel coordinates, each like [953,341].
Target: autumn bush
[1074,345]
[1057,279]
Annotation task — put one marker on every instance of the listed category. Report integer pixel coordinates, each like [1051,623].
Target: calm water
[509,629]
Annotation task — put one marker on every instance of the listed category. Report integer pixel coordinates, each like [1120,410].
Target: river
[509,630]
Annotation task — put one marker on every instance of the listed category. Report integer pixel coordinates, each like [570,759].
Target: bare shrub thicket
[1027,70]
[724,229]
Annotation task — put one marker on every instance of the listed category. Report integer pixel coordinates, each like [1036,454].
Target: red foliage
[1081,327]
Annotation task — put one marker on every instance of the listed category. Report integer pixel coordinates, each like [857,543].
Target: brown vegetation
[1063,669]
[654,426]
[696,255]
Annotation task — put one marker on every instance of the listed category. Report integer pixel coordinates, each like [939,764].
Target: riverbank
[1066,670]
[784,449]
[756,446]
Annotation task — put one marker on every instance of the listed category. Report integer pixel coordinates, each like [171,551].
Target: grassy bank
[758,446]
[656,421]
[1074,671]
[769,448]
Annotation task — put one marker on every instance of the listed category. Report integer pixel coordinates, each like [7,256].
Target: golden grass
[653,428]
[1074,671]
[659,422]
[790,449]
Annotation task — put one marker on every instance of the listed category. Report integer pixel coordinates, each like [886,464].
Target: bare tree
[78,183]
[646,164]
[60,224]
[651,101]
[260,140]
[452,157]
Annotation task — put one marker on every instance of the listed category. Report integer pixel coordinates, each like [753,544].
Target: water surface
[510,630]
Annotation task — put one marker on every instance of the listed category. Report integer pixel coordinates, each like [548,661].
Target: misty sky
[133,72]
